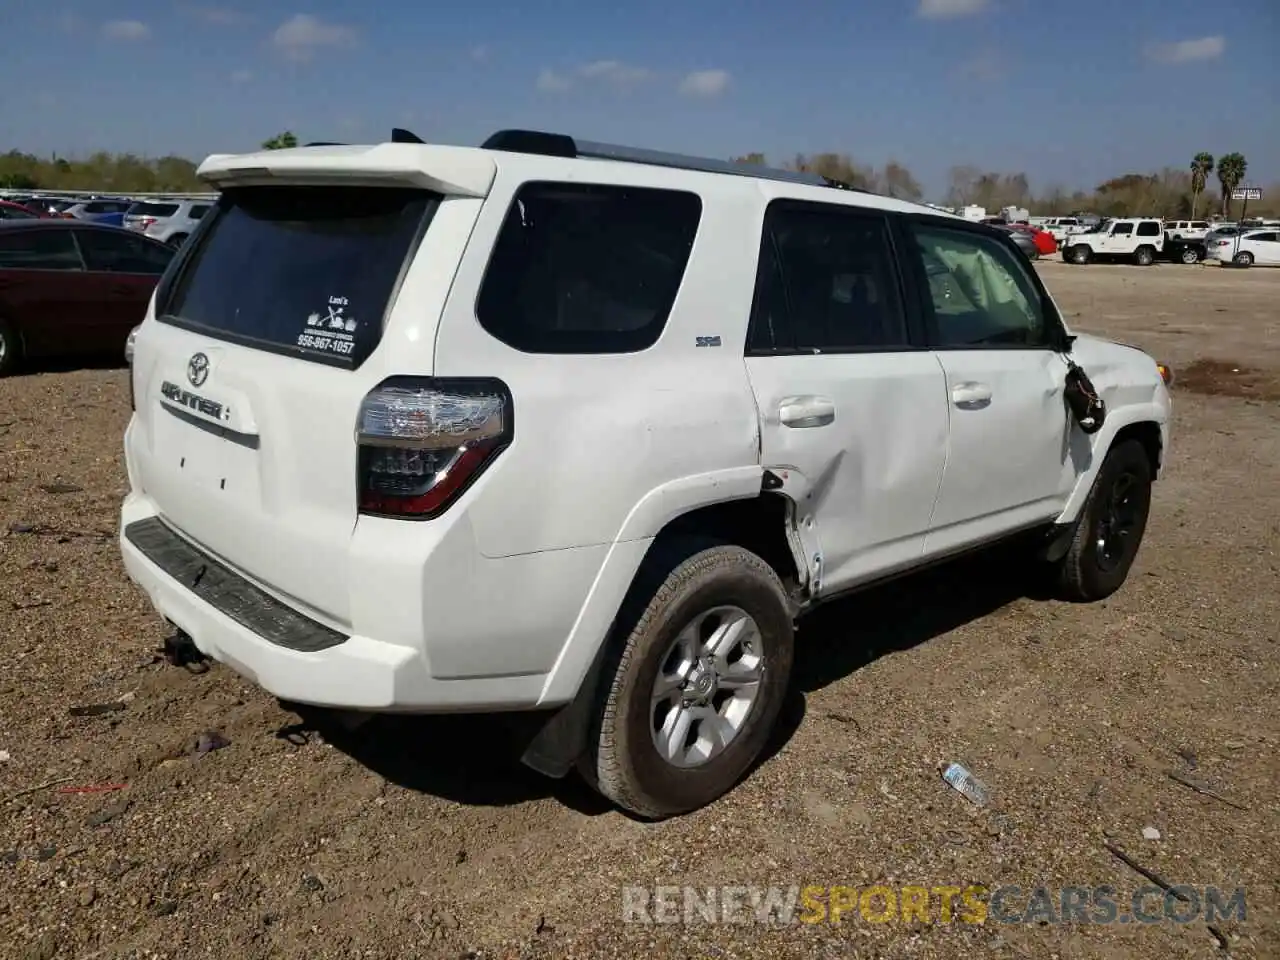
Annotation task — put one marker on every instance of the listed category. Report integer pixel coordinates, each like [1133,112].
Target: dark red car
[72,289]
[16,211]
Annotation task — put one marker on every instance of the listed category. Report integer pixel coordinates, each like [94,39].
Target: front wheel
[10,351]
[1110,528]
[1080,253]
[696,688]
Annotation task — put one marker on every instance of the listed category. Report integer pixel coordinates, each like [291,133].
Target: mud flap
[559,743]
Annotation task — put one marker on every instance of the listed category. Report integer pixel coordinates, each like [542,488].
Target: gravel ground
[423,837]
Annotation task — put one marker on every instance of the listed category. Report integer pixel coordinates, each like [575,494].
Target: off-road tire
[621,761]
[1144,256]
[10,349]
[1080,253]
[1082,575]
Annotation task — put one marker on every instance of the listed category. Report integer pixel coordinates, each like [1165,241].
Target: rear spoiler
[455,171]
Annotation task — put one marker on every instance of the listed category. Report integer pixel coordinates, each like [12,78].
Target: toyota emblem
[198,370]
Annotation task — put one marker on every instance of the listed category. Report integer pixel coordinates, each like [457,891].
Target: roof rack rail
[560,145]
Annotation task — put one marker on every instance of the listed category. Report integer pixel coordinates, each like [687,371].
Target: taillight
[421,442]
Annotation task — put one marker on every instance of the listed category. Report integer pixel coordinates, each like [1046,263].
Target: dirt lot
[425,838]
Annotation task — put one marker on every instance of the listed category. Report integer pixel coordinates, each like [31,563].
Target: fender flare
[1117,420]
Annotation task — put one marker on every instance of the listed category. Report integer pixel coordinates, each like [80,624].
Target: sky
[1072,93]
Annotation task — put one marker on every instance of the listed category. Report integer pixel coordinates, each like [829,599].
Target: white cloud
[705,83]
[551,82]
[949,9]
[1188,51]
[299,37]
[615,73]
[241,76]
[125,30]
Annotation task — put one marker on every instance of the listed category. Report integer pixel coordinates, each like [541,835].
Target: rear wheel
[1190,255]
[1110,528]
[10,349]
[696,687]
[1244,259]
[1144,256]
[177,240]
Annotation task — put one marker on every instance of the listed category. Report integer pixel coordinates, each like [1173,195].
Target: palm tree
[281,141]
[1231,171]
[1201,167]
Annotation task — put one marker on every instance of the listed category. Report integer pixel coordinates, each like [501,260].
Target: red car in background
[72,289]
[16,211]
[1043,238]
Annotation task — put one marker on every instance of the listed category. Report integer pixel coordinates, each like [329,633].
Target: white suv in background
[1130,238]
[565,426]
[169,221]
[1186,229]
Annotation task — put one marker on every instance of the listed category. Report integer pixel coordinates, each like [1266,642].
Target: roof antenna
[399,135]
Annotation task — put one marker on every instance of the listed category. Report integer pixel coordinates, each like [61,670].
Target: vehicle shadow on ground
[475,759]
[41,365]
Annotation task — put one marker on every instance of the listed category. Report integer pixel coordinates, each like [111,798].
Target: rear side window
[121,252]
[581,268]
[38,250]
[198,210]
[1149,228]
[305,270]
[827,283]
[153,210]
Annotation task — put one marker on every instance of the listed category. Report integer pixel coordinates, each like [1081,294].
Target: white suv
[169,221]
[550,424]
[1131,238]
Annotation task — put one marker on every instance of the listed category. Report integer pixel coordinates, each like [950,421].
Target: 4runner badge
[198,370]
[708,341]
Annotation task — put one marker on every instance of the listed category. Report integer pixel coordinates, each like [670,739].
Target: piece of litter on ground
[209,741]
[965,783]
[4,756]
[1150,833]
[884,788]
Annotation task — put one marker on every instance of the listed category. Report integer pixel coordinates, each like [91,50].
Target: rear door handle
[970,395]
[801,412]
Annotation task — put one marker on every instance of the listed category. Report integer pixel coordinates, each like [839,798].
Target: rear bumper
[230,619]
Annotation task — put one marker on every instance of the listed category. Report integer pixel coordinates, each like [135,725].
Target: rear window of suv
[302,270]
[153,210]
[585,268]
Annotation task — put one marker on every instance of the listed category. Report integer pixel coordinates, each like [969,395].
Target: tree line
[1170,192]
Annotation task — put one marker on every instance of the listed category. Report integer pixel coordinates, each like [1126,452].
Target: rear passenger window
[1149,228]
[198,211]
[583,268]
[38,250]
[827,283]
[981,295]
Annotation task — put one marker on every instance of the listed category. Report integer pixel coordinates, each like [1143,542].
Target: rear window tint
[153,210]
[305,270]
[580,268]
[198,210]
[22,249]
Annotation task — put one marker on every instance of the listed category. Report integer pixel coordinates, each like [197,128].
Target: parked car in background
[95,210]
[1183,249]
[1186,229]
[169,221]
[51,206]
[1024,241]
[71,288]
[1253,246]
[1045,244]
[15,211]
[1136,239]
[1062,227]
